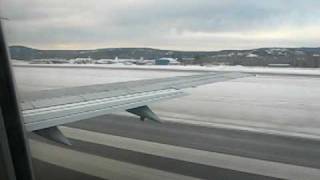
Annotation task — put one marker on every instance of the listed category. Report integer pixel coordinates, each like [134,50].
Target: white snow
[246,69]
[251,55]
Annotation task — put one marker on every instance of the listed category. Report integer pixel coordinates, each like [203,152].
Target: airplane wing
[44,110]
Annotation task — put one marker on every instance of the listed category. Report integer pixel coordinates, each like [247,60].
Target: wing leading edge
[43,111]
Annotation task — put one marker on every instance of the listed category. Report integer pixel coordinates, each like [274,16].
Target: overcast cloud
[165,24]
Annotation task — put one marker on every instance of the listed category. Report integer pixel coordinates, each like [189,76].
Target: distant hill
[297,57]
[26,53]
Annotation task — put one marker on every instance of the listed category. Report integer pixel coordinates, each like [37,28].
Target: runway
[262,127]
[197,152]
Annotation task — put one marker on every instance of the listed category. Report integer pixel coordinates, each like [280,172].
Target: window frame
[15,159]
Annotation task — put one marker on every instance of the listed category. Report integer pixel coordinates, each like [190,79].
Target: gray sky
[165,24]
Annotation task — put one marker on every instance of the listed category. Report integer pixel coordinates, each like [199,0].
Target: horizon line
[279,47]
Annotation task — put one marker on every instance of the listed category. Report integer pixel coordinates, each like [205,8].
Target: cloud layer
[166,24]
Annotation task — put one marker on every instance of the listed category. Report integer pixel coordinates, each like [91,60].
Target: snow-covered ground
[272,104]
[264,102]
[34,79]
[247,69]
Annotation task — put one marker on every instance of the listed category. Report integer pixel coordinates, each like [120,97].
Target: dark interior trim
[12,121]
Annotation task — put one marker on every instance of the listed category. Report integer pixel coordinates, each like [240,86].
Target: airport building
[166,61]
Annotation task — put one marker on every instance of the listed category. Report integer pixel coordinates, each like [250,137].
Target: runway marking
[249,165]
[204,122]
[96,165]
[268,130]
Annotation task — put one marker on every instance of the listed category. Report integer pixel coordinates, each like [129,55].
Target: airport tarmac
[227,119]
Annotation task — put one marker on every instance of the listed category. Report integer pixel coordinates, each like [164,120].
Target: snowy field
[276,104]
[33,79]
[247,69]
